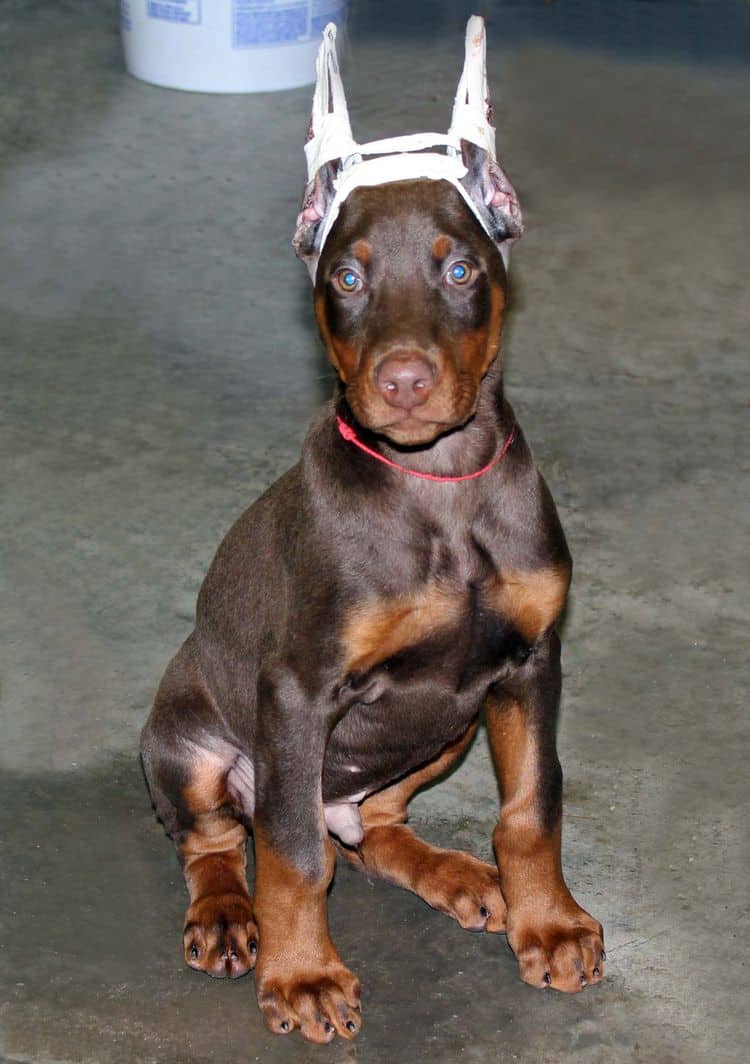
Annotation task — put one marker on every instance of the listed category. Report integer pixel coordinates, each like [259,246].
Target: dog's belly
[380,742]
[414,704]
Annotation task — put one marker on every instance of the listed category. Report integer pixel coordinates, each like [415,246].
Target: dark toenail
[253,946]
[596,971]
[232,955]
[604,955]
[194,952]
[484,911]
[547,978]
[285,1025]
[327,1027]
[351,1025]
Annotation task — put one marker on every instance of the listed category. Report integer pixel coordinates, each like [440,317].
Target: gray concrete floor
[159,367]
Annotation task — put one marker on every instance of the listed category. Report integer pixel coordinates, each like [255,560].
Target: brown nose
[405,380]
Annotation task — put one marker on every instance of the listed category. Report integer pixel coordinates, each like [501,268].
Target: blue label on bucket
[264,23]
[187,11]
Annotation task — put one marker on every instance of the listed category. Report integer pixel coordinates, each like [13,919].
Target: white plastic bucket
[225,45]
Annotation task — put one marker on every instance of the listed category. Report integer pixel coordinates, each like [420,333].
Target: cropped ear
[494,196]
[329,140]
[316,203]
[485,182]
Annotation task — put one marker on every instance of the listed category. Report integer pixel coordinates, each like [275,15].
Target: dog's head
[409,298]
[408,252]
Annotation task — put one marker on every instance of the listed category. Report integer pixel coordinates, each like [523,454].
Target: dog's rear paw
[321,1003]
[465,888]
[220,936]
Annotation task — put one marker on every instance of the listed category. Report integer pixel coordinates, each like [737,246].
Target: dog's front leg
[556,942]
[300,978]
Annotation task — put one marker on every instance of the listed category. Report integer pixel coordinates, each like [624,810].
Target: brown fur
[353,624]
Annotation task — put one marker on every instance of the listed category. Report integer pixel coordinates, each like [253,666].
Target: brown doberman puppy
[356,620]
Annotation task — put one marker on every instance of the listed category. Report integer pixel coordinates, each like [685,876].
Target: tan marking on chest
[376,630]
[531,600]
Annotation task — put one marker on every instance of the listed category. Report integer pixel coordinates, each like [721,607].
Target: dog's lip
[410,421]
[413,431]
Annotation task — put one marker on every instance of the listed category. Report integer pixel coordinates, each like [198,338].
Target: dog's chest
[448,634]
[418,664]
[472,612]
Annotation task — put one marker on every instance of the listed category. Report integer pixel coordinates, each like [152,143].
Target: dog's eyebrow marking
[363,252]
[441,247]
[376,630]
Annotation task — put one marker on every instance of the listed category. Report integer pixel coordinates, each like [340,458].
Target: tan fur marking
[363,252]
[478,347]
[207,790]
[495,326]
[300,979]
[528,857]
[213,851]
[376,631]
[456,883]
[514,750]
[291,910]
[532,600]
[555,941]
[472,346]
[334,354]
[441,247]
[213,858]
[219,926]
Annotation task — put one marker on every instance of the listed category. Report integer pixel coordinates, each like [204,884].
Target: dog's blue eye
[348,280]
[460,272]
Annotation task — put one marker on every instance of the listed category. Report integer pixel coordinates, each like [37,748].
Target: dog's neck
[460,451]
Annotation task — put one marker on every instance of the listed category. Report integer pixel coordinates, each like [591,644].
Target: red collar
[351,436]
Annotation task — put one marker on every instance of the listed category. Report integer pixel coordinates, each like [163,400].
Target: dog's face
[409,298]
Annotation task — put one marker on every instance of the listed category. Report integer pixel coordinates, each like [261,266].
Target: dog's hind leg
[202,788]
[454,882]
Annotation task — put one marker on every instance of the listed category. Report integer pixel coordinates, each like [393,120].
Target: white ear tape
[397,158]
[330,130]
[470,119]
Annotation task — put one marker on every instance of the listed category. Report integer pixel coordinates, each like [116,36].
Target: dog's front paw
[321,1000]
[220,935]
[561,946]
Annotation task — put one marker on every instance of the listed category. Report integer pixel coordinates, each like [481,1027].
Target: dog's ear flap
[494,196]
[316,203]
